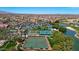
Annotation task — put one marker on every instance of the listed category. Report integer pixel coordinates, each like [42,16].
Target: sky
[41,10]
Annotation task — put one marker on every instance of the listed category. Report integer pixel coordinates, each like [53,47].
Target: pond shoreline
[70,28]
[76,36]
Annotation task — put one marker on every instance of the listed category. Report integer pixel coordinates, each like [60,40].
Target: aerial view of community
[39,29]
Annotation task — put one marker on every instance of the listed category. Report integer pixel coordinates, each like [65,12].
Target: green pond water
[75,41]
[72,34]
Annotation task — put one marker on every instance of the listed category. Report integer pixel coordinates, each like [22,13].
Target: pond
[72,34]
[76,40]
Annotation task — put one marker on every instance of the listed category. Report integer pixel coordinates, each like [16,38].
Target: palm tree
[26,31]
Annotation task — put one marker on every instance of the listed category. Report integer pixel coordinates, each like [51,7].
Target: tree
[3,34]
[41,28]
[18,39]
[26,31]
[59,41]
[57,21]
[61,28]
[55,25]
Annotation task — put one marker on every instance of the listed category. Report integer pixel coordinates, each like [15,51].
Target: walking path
[17,45]
[76,35]
[49,47]
[71,28]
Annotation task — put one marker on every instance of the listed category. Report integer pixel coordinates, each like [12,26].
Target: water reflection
[76,40]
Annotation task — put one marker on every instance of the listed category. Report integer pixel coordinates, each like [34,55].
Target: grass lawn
[60,42]
[8,45]
[76,28]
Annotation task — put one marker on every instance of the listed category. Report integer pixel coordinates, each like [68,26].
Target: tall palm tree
[26,31]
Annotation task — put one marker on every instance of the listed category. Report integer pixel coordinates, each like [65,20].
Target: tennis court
[36,42]
[44,32]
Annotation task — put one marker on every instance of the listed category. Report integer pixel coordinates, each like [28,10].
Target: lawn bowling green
[36,42]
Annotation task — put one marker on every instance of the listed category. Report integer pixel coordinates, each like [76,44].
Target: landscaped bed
[9,45]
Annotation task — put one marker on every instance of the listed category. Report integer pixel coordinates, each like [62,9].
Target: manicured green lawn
[76,28]
[60,42]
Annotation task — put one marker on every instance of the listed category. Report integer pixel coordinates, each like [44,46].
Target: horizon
[41,10]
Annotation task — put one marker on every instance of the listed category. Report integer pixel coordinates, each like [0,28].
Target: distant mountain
[53,15]
[4,12]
